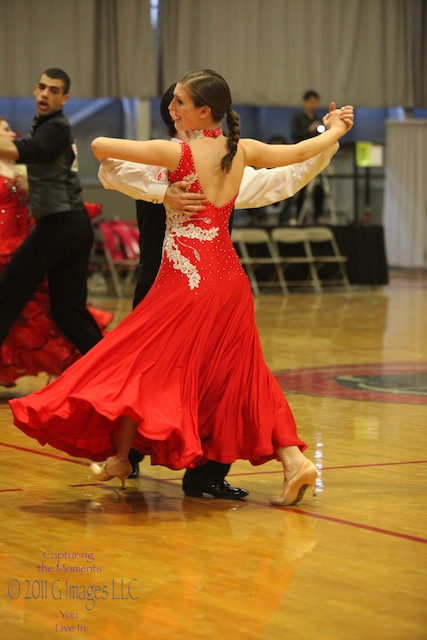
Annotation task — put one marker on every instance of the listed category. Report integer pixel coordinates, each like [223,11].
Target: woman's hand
[343,117]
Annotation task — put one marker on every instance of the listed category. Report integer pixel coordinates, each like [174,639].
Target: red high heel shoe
[296,486]
[106,471]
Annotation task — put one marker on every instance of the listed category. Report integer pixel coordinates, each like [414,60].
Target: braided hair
[207,88]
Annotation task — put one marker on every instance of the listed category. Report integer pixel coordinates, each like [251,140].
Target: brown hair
[207,88]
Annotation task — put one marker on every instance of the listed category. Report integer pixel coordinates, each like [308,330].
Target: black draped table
[364,247]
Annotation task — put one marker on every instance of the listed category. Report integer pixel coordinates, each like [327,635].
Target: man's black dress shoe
[209,478]
[135,458]
[135,471]
[216,488]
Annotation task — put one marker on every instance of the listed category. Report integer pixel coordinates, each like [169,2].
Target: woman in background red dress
[34,343]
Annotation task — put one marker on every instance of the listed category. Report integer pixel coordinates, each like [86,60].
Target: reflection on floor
[91,561]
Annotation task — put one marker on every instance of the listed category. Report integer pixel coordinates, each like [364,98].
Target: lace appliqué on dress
[179,227]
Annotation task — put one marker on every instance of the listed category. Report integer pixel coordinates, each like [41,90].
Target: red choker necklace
[205,133]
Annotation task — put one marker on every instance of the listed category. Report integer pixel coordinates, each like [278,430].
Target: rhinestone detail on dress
[177,228]
[205,133]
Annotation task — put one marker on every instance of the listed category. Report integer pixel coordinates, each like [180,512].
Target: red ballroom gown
[186,364]
[34,344]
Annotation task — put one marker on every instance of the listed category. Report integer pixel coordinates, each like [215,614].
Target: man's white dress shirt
[259,187]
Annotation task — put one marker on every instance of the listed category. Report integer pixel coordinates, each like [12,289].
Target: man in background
[59,246]
[308,124]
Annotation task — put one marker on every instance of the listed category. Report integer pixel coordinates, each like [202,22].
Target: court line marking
[244,473]
[44,453]
[344,466]
[358,525]
[312,514]
[5,490]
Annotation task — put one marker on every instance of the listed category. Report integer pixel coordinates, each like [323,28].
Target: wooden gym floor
[89,561]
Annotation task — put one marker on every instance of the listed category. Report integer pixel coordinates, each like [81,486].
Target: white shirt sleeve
[138,181]
[261,187]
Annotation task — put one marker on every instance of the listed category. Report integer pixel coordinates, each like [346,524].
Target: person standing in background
[304,125]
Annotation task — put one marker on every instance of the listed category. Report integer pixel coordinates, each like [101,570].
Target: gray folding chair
[282,238]
[326,252]
[243,239]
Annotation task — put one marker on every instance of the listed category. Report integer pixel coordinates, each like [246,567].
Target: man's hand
[180,199]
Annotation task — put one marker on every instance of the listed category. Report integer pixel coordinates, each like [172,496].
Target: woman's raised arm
[259,154]
[162,153]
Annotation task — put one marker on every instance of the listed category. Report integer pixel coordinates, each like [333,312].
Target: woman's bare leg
[123,438]
[118,466]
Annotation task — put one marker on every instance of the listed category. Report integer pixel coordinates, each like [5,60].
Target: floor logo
[402,382]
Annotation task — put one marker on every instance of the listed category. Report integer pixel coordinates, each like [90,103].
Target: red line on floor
[346,466]
[319,516]
[375,464]
[246,473]
[87,484]
[4,490]
[43,453]
[357,525]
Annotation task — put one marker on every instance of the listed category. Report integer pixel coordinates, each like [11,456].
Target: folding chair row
[274,252]
[121,249]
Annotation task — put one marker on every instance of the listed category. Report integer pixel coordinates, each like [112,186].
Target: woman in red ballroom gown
[34,344]
[182,378]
